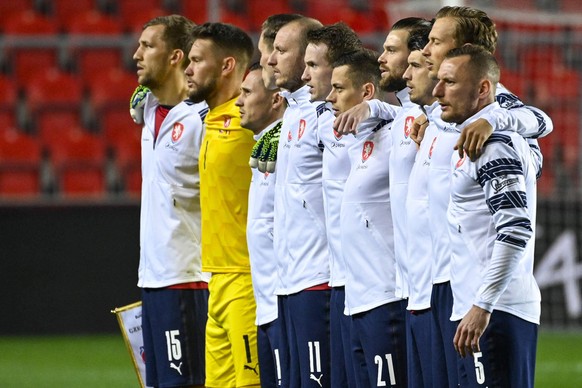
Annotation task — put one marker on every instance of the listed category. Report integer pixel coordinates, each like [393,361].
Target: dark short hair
[273,24]
[339,38]
[473,26]
[418,37]
[481,61]
[410,24]
[177,32]
[363,66]
[229,39]
[254,66]
[418,30]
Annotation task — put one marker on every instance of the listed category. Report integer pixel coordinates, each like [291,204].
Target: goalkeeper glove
[264,153]
[136,103]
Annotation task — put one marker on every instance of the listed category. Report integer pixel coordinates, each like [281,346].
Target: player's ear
[368,91]
[485,88]
[176,57]
[278,101]
[228,65]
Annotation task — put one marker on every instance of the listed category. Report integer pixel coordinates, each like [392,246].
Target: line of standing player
[351,230]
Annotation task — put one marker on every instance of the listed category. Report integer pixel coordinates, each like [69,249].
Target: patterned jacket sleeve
[528,121]
[501,174]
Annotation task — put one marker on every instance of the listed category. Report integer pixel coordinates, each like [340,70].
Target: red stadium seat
[7,120]
[30,41]
[94,44]
[260,10]
[566,135]
[29,22]
[20,161]
[327,11]
[79,163]
[514,81]
[127,7]
[65,11]
[93,22]
[134,13]
[9,93]
[571,6]
[52,126]
[91,60]
[544,68]
[25,62]
[8,102]
[54,91]
[364,21]
[10,8]
[196,11]
[236,18]
[123,138]
[115,121]
[110,88]
[133,22]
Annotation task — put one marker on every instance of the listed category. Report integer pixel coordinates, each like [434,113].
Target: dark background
[63,268]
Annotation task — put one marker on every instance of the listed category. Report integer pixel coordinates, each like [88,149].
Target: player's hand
[473,137]
[349,121]
[418,128]
[264,153]
[469,331]
[136,103]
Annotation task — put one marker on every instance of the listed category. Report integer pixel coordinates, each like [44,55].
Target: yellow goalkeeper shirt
[225,177]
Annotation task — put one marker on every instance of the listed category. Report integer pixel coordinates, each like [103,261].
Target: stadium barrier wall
[64,267]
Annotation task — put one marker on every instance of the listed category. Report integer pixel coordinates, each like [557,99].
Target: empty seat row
[54,92]
[76,17]
[79,163]
[88,17]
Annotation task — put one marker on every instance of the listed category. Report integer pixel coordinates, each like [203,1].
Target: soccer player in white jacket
[325,45]
[261,110]
[491,217]
[420,357]
[300,237]
[393,63]
[454,27]
[378,329]
[174,290]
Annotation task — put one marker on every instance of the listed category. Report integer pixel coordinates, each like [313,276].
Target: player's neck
[173,91]
[224,92]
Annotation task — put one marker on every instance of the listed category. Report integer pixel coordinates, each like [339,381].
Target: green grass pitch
[103,361]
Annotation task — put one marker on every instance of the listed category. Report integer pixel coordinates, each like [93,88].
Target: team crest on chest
[408,126]
[337,135]
[367,150]
[431,148]
[177,132]
[289,136]
[226,121]
[302,125]
[461,161]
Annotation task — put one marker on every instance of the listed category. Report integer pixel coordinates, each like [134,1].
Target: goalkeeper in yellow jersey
[219,57]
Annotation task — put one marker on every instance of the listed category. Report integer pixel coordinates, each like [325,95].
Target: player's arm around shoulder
[528,121]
